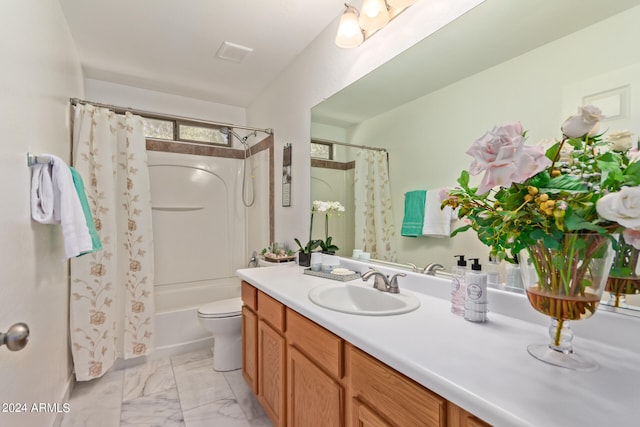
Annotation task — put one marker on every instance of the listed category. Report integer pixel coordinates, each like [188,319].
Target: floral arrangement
[585,182]
[327,209]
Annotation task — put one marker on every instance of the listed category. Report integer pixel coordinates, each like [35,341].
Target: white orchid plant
[327,209]
[585,182]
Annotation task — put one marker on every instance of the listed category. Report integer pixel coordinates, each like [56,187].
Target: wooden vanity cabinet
[458,417]
[250,336]
[264,367]
[304,375]
[315,389]
[383,397]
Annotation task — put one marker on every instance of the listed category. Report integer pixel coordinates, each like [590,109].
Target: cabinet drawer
[404,401]
[249,295]
[271,310]
[320,345]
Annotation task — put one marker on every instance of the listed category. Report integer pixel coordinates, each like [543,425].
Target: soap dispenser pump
[475,297]
[458,286]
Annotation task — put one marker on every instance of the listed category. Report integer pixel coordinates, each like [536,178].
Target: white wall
[159,102]
[40,71]
[427,138]
[319,72]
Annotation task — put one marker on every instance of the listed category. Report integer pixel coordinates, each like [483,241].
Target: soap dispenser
[475,297]
[458,286]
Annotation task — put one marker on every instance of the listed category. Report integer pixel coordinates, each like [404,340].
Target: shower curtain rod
[122,110]
[364,147]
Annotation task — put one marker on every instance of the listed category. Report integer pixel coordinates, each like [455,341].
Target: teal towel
[413,221]
[79,184]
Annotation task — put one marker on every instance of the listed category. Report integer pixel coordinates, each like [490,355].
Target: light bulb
[374,15]
[349,32]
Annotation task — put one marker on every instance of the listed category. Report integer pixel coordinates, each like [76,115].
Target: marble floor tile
[149,378]
[244,396]
[178,391]
[192,356]
[96,402]
[261,422]
[225,412]
[160,409]
[198,384]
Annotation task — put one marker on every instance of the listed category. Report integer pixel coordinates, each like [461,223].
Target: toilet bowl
[224,320]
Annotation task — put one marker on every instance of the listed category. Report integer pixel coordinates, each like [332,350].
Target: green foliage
[309,247]
[327,246]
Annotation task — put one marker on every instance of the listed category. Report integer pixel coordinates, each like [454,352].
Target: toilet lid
[223,308]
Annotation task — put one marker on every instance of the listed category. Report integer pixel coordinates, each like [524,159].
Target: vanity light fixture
[399,4]
[355,26]
[349,32]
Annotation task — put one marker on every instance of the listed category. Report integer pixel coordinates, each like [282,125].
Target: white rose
[620,141]
[622,207]
[583,123]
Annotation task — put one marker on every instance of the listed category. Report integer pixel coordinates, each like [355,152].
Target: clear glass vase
[624,277]
[565,281]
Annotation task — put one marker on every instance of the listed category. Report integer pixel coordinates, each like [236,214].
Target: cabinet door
[271,371]
[365,417]
[314,398]
[393,395]
[458,417]
[250,348]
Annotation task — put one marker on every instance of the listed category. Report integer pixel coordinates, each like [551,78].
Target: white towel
[54,200]
[437,222]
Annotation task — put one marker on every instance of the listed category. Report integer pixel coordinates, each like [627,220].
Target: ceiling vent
[233,52]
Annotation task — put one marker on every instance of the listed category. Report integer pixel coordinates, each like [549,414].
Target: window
[157,128]
[179,130]
[201,133]
[321,150]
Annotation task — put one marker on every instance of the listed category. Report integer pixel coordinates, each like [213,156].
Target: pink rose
[577,126]
[505,159]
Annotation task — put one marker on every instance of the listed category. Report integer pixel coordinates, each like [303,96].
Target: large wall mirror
[503,61]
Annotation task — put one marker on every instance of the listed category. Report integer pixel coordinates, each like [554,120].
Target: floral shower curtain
[375,230]
[111,305]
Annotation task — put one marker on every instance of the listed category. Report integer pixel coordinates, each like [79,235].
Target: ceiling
[170,45]
[489,34]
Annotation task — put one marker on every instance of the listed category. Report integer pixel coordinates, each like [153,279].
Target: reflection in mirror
[427,105]
[357,176]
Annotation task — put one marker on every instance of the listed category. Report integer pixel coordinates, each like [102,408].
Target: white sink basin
[362,299]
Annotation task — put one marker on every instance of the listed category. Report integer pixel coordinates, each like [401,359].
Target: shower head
[228,131]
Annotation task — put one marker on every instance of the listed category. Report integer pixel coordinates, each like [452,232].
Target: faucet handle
[393,283]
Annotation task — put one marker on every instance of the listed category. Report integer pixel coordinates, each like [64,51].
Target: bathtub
[177,326]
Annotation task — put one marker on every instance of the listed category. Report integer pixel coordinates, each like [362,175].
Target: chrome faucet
[382,281]
[432,268]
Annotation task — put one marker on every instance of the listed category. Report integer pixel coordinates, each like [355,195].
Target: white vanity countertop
[482,367]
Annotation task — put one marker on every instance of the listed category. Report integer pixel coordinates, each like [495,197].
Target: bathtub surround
[112,298]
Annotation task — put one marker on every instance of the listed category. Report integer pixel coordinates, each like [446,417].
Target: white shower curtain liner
[374,229]
[111,300]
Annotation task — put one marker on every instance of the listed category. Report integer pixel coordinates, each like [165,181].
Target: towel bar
[33,159]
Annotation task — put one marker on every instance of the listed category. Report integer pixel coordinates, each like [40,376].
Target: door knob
[16,337]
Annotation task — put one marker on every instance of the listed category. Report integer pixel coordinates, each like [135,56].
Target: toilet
[224,320]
